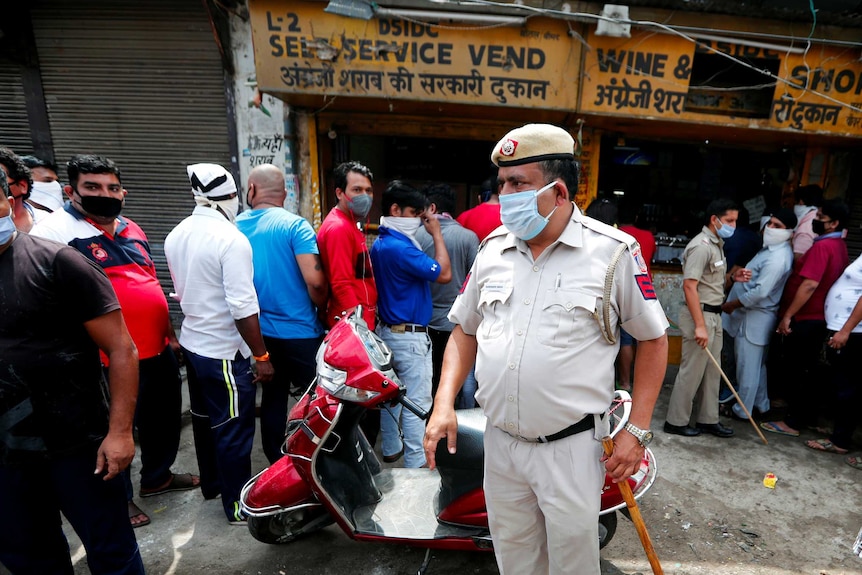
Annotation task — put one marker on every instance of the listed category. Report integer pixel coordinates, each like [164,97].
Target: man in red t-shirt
[484,218]
[802,322]
[345,258]
[342,246]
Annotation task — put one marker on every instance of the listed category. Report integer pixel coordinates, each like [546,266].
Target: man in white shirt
[211,265]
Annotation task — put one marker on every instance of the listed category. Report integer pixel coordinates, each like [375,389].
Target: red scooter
[330,473]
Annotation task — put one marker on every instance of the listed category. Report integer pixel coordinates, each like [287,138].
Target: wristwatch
[644,436]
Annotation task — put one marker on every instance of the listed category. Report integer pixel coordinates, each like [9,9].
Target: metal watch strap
[637,432]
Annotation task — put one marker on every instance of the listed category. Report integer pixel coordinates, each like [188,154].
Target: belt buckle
[400,328]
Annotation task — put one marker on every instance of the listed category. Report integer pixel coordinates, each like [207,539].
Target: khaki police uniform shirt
[703,260]
[542,363]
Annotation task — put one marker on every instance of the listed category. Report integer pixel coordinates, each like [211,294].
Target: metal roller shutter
[141,83]
[14,125]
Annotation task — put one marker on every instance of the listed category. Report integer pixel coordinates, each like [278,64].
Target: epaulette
[499,231]
[610,231]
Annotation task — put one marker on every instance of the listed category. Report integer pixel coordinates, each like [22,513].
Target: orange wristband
[264,357]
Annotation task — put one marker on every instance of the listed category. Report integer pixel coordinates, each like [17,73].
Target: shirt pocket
[493,305]
[716,271]
[567,317]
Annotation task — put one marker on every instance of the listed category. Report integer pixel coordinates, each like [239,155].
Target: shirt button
[511,426]
[569,306]
[511,398]
[527,301]
[520,332]
[511,366]
[535,268]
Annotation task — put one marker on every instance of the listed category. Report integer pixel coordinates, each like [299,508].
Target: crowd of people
[505,317]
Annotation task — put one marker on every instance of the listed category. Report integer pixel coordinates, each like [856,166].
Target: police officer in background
[545,367]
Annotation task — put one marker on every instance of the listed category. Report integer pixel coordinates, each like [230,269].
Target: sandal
[825,445]
[177,482]
[855,462]
[782,429]
[136,516]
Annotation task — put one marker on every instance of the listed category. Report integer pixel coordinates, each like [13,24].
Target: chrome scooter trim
[269,509]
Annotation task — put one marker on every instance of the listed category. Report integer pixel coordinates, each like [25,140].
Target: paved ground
[708,514]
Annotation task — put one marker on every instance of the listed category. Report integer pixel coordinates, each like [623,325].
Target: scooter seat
[470,447]
[462,472]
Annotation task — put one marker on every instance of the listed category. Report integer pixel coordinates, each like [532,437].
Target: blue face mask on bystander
[7,229]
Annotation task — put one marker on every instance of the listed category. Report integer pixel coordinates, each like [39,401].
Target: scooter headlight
[334,381]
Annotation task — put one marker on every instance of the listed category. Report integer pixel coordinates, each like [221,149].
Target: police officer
[544,364]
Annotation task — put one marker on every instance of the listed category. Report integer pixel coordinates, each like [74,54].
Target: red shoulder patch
[646,287]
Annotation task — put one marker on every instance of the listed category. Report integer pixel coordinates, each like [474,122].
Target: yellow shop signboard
[662,76]
[300,49]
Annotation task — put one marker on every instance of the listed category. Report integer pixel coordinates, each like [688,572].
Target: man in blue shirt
[290,289]
[403,272]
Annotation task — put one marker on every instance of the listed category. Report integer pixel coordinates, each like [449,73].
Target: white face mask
[229,207]
[407,226]
[775,236]
[48,194]
[800,211]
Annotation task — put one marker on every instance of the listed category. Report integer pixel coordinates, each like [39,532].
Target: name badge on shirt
[495,286]
[719,263]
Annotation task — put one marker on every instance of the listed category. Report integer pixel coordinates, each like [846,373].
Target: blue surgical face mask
[724,231]
[520,213]
[7,229]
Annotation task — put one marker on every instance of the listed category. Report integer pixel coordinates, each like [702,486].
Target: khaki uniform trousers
[698,380]
[543,503]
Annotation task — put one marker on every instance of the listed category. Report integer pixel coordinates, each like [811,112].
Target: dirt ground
[708,513]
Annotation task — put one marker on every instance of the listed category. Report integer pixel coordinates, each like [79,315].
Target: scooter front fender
[275,489]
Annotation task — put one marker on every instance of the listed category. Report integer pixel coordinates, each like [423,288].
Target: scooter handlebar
[413,407]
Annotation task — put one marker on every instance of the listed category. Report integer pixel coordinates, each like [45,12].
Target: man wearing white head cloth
[211,265]
[545,366]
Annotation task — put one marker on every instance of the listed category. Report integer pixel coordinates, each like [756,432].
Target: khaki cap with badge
[533,143]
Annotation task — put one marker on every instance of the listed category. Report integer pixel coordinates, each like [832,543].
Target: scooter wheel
[285,527]
[607,528]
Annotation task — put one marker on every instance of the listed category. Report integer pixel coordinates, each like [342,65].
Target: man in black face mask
[92,224]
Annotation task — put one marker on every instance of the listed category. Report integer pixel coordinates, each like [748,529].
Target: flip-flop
[772,427]
[178,482]
[855,462]
[825,445]
[135,511]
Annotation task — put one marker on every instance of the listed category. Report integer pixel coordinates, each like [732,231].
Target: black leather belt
[588,422]
[405,327]
[711,308]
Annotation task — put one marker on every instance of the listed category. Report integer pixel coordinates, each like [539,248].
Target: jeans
[466,397]
[31,534]
[411,359]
